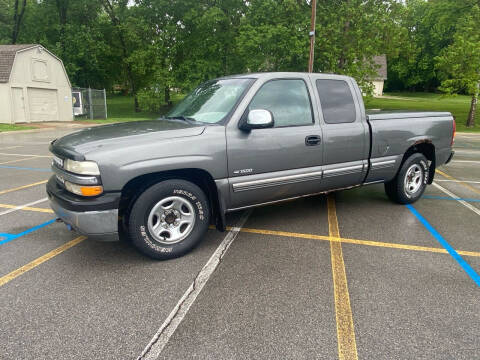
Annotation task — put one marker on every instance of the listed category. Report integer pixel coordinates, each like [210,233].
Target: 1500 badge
[242,171]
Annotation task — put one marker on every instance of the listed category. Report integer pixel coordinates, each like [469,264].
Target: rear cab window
[338,105]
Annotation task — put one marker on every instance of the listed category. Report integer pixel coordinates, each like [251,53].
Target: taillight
[454,130]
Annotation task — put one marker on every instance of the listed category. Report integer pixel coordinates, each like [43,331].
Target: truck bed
[391,139]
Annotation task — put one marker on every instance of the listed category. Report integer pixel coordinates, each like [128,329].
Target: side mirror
[258,119]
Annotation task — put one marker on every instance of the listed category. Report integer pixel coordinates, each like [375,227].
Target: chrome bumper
[92,223]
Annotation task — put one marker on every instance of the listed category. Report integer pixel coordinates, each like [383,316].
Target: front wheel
[169,219]
[410,182]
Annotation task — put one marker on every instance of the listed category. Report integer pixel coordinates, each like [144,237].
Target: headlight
[81,167]
[84,190]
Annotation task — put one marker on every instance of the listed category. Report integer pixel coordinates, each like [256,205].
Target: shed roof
[381,64]
[7,57]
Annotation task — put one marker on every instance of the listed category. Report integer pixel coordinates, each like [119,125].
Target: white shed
[34,85]
[379,79]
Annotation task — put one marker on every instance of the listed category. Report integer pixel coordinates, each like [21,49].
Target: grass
[8,127]
[120,109]
[458,105]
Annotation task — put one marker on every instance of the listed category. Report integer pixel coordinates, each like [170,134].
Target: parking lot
[344,276]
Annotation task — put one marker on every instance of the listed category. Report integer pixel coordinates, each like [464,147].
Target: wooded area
[148,47]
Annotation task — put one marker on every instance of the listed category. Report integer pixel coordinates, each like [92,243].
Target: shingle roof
[381,62]
[7,56]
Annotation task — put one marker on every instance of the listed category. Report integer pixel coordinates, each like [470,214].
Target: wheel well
[137,185]
[428,150]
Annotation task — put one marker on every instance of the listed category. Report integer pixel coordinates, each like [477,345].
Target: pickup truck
[233,143]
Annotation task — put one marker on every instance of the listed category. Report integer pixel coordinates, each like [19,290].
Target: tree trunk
[342,61]
[473,107]
[167,95]
[62,7]
[108,6]
[17,19]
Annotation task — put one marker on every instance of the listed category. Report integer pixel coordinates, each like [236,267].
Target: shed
[378,80]
[34,85]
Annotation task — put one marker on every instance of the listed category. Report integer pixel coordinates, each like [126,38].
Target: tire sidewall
[138,221]
[421,160]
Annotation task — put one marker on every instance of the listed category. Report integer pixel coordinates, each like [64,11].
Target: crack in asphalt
[167,329]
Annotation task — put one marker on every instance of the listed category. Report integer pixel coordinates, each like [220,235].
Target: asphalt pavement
[349,275]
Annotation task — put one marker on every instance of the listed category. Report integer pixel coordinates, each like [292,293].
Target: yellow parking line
[22,187]
[354,241]
[33,264]
[347,346]
[17,160]
[458,181]
[8,206]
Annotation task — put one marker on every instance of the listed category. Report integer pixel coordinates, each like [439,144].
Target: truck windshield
[211,101]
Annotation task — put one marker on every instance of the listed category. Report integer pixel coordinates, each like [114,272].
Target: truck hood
[121,135]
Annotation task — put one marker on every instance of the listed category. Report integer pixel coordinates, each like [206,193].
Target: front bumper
[92,217]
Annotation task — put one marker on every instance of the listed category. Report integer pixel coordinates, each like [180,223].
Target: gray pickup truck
[238,142]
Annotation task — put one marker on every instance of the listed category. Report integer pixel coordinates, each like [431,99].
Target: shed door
[43,104]
[18,105]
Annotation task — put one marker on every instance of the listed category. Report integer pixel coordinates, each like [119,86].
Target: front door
[266,165]
[18,105]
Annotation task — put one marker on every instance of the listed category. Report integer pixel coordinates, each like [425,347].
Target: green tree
[350,33]
[459,63]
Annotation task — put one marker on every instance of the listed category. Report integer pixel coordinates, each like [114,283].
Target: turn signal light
[84,190]
[91,190]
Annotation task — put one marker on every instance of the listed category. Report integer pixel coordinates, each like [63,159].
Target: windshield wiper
[184,118]
[187,119]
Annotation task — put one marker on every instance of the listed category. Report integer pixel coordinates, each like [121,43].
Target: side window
[288,100]
[337,101]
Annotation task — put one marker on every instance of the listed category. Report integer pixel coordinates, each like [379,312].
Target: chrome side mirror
[258,119]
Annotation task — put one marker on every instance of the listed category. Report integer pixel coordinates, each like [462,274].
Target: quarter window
[336,100]
[288,101]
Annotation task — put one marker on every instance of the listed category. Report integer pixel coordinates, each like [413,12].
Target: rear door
[345,132]
[276,163]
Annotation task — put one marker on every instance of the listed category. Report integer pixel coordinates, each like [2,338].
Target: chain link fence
[89,103]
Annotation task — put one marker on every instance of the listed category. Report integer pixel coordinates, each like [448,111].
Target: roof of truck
[259,75]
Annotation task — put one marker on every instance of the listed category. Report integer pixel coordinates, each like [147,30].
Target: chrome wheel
[413,179]
[171,220]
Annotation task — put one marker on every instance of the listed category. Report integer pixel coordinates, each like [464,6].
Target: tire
[169,219]
[403,190]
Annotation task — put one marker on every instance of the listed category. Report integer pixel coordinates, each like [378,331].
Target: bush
[151,99]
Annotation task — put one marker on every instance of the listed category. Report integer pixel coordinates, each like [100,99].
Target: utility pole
[312,35]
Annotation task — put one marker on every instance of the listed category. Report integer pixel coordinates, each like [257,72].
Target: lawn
[8,127]
[120,109]
[458,105]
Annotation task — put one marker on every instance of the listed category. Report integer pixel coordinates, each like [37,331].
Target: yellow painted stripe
[354,241]
[22,187]
[347,346]
[17,160]
[33,264]
[458,181]
[28,208]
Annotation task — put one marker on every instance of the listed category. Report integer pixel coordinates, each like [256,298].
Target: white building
[379,80]
[34,85]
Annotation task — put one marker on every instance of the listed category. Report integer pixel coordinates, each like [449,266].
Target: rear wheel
[410,182]
[169,219]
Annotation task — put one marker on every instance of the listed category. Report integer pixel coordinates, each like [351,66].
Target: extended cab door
[276,163]
[346,138]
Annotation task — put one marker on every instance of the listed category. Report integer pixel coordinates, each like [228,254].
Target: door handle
[312,140]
